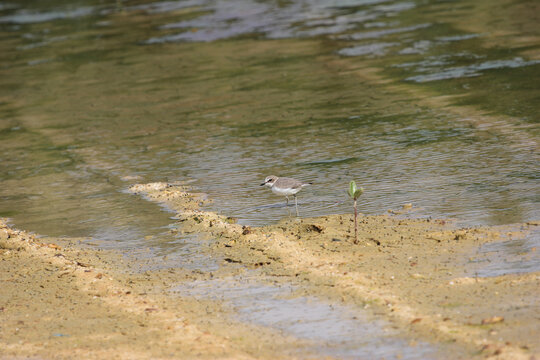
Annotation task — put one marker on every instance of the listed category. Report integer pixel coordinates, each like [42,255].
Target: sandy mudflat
[67,302]
[60,299]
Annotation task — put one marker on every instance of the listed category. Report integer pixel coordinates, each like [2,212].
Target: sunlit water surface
[423,102]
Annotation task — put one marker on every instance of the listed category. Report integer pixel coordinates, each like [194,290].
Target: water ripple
[472,70]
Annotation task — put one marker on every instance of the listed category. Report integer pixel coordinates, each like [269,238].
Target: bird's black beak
[263,184]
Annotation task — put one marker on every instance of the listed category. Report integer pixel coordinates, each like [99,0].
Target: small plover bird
[285,187]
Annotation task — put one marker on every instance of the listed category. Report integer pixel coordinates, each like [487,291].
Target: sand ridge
[64,302]
[61,299]
[410,269]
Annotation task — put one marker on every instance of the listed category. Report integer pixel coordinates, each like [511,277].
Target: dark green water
[424,102]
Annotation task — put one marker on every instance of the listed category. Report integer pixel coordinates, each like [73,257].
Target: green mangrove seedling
[355,193]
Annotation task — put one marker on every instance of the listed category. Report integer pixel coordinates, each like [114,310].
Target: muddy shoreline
[413,273]
[62,299]
[409,270]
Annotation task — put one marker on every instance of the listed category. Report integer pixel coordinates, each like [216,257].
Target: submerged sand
[61,301]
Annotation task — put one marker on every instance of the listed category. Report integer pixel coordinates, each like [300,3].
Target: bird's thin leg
[296,204]
[287,206]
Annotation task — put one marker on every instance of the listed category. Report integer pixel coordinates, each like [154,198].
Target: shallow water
[328,329]
[97,95]
[206,90]
[511,256]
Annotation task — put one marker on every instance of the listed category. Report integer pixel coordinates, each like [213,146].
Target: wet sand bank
[64,301]
[415,272]
[61,299]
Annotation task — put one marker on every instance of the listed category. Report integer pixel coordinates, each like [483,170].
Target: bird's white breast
[284,191]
